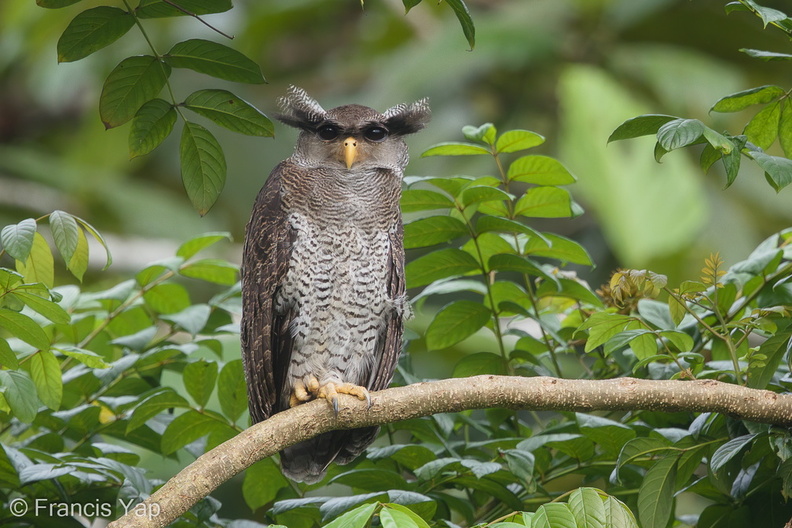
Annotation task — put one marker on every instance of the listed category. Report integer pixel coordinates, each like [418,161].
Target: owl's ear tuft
[406,119]
[300,110]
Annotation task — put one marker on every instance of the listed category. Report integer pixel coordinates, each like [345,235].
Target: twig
[199,19]
[421,399]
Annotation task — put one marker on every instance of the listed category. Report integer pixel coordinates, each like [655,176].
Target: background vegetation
[114,379]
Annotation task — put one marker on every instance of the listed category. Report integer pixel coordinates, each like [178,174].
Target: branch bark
[401,403]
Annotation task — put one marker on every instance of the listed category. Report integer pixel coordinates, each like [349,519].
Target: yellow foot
[302,392]
[330,392]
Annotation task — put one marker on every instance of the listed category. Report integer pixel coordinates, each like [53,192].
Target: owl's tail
[308,461]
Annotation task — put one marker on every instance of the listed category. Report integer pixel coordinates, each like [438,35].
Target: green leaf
[643,125]
[167,298]
[231,390]
[203,166]
[439,265]
[729,450]
[785,129]
[159,8]
[395,519]
[455,149]
[558,247]
[413,200]
[545,202]
[455,322]
[55,4]
[92,30]
[508,262]
[160,401]
[228,110]
[679,133]
[40,264]
[541,170]
[486,224]
[521,463]
[778,171]
[731,164]
[135,81]
[432,230]
[554,515]
[8,358]
[656,494]
[65,232]
[150,126]
[709,155]
[767,14]
[417,519]
[485,133]
[480,363]
[78,263]
[192,319]
[214,59]
[99,238]
[199,380]
[262,482]
[483,193]
[762,129]
[516,140]
[610,434]
[46,374]
[86,357]
[20,394]
[195,245]
[45,307]
[774,349]
[618,515]
[357,518]
[463,15]
[742,100]
[17,239]
[216,271]
[23,327]
[587,507]
[602,326]
[766,55]
[186,428]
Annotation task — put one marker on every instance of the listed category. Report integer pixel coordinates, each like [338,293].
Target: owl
[323,285]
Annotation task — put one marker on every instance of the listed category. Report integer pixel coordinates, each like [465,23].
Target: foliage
[772,122]
[131,89]
[83,370]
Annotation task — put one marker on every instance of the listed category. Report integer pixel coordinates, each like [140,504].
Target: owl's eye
[375,134]
[328,132]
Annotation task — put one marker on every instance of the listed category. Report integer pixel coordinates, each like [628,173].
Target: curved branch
[421,399]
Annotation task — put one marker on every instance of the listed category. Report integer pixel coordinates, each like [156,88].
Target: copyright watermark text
[44,508]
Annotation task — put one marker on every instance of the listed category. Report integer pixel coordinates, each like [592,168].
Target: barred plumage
[323,270]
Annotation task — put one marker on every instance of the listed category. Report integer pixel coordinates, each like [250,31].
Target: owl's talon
[330,391]
[302,392]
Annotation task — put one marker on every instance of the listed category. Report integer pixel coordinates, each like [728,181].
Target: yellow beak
[350,151]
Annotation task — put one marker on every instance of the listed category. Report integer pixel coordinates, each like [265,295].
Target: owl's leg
[303,392]
[330,391]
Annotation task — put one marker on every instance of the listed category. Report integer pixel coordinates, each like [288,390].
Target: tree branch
[421,399]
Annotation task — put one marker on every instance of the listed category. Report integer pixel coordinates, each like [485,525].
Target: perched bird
[323,270]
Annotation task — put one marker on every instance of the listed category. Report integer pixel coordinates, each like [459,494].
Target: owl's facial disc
[350,151]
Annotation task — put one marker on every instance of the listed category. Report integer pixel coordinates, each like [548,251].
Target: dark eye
[328,132]
[375,134]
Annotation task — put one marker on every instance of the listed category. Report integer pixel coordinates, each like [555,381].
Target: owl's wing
[266,343]
[390,343]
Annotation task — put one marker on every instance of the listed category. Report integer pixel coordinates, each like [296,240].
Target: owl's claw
[330,391]
[302,392]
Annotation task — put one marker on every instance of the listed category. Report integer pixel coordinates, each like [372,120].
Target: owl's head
[352,136]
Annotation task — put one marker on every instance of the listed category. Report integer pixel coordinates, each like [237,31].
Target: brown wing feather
[390,343]
[265,338]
